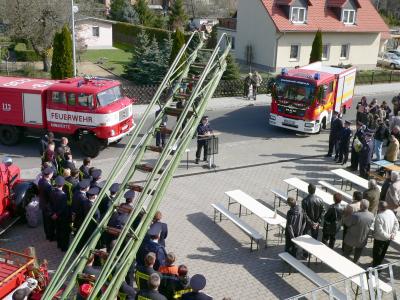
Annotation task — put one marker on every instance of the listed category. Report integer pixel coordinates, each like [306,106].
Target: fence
[229,88]
[378,76]
[368,289]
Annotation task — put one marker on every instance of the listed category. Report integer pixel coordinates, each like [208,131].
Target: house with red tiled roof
[272,34]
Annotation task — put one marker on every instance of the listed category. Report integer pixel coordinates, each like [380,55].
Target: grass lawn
[113,59]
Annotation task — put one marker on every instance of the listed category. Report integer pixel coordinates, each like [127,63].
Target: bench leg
[279,204]
[215,215]
[220,216]
[274,201]
[266,235]
[240,210]
[229,202]
[251,244]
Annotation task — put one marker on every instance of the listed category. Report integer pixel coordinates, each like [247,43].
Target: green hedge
[125,34]
[23,54]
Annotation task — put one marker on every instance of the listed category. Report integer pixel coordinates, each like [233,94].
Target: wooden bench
[311,275]
[280,196]
[246,228]
[327,186]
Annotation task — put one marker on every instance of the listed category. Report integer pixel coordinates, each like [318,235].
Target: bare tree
[37,22]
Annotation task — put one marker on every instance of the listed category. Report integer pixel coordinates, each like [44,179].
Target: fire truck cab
[92,110]
[304,99]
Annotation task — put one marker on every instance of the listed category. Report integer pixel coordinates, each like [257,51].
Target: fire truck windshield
[293,90]
[109,96]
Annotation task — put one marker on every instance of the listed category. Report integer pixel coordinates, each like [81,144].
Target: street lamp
[74,10]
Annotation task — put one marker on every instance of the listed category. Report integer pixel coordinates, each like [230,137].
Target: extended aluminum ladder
[192,64]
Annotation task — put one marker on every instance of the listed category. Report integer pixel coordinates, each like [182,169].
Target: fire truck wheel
[9,135]
[90,145]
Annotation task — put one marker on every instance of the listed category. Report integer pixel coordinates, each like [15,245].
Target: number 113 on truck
[304,99]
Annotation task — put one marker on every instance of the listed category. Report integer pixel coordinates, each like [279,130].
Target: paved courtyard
[254,158]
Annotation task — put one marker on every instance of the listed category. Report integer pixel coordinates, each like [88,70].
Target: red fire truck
[92,110]
[304,99]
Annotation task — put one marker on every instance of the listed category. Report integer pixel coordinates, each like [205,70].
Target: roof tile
[320,16]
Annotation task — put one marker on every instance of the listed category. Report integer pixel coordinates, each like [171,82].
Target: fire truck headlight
[112,132]
[308,124]
[272,117]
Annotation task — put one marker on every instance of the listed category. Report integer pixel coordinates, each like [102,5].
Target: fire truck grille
[123,114]
[291,110]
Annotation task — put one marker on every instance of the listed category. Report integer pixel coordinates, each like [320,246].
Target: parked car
[396,52]
[389,60]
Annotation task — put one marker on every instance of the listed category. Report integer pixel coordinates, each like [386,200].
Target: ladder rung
[182,96]
[113,231]
[87,277]
[198,66]
[172,111]
[206,50]
[154,148]
[147,168]
[165,130]
[124,209]
[137,188]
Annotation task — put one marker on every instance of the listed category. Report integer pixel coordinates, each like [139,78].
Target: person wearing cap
[366,153]
[358,135]
[344,143]
[92,194]
[96,176]
[108,200]
[44,186]
[204,132]
[60,214]
[78,199]
[334,135]
[84,172]
[151,245]
[164,227]
[197,283]
[151,292]
[381,134]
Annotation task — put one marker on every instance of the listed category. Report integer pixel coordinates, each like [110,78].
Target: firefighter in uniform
[197,283]
[203,132]
[84,170]
[78,199]
[142,273]
[60,213]
[44,186]
[96,176]
[151,244]
[366,153]
[108,200]
[344,143]
[334,135]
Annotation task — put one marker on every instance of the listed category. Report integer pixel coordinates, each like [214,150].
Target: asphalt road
[238,124]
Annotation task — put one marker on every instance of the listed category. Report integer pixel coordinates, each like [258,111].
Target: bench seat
[311,275]
[242,225]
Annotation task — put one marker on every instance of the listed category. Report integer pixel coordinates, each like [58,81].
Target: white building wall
[84,30]
[255,28]
[363,53]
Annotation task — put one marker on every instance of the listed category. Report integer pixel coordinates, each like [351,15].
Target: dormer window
[298,14]
[348,16]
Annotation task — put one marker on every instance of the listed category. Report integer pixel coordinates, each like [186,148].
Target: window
[298,15]
[349,16]
[71,99]
[109,96]
[96,31]
[294,52]
[85,100]
[59,98]
[344,51]
[325,52]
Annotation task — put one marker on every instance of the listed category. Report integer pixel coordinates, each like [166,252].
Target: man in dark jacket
[385,185]
[60,214]
[332,221]
[78,199]
[45,188]
[313,208]
[334,135]
[344,143]
[164,227]
[204,131]
[366,154]
[151,245]
[295,225]
[381,134]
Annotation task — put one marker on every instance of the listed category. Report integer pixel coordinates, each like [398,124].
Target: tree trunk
[46,62]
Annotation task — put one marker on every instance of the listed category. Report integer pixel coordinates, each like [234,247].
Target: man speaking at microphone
[204,131]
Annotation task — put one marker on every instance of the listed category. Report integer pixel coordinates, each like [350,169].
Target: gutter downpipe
[276,49]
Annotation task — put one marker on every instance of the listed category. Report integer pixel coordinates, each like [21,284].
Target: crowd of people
[66,195]
[373,207]
[376,128]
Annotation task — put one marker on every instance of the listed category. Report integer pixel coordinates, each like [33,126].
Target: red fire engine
[92,110]
[304,99]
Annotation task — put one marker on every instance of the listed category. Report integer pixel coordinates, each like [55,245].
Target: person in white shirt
[386,228]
